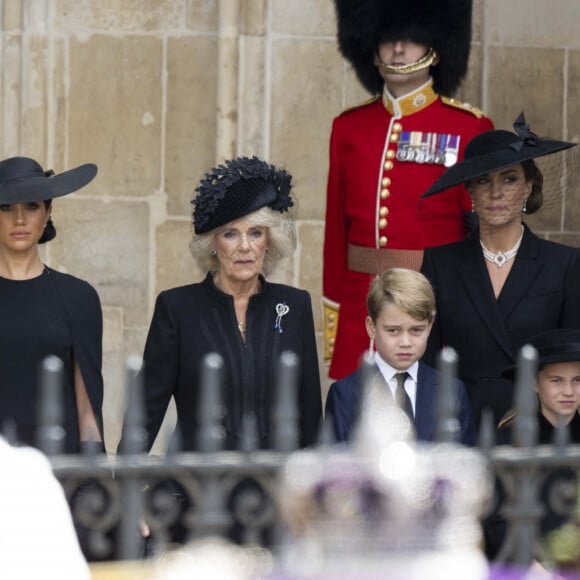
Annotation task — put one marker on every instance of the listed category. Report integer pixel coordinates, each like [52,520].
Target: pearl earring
[525,206]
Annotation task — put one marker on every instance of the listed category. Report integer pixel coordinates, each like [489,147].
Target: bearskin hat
[444,25]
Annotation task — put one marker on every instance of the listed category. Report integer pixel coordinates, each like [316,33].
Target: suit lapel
[425,403]
[525,270]
[474,275]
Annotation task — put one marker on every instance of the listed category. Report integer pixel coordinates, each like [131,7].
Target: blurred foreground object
[37,537]
[386,506]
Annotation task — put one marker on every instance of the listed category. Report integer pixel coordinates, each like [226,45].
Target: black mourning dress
[53,314]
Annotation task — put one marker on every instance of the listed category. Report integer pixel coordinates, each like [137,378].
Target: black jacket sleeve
[310,401]
[160,365]
[83,308]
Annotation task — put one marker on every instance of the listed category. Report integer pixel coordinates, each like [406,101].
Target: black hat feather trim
[237,188]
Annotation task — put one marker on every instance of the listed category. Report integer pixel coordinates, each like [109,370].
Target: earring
[213,253]
[472,206]
[525,206]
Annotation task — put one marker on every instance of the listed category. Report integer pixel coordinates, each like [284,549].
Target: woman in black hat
[45,312]
[243,226]
[503,284]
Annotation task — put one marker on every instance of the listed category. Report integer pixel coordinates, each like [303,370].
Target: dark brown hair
[536,197]
[49,232]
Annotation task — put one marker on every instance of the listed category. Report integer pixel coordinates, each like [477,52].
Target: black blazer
[192,321]
[542,292]
[344,398]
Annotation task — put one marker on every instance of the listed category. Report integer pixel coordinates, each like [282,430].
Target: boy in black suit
[401,311]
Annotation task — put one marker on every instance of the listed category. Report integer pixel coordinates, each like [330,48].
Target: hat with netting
[494,150]
[237,188]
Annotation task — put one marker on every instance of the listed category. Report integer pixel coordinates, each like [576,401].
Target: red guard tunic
[383,156]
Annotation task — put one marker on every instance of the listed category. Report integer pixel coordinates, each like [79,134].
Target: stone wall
[156,91]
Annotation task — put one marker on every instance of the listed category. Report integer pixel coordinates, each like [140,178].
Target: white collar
[389,372]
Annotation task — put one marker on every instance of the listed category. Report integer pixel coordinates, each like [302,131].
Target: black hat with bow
[494,150]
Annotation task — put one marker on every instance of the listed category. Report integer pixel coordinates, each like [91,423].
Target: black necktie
[401,397]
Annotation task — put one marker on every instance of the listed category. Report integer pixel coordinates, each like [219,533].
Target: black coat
[541,293]
[192,321]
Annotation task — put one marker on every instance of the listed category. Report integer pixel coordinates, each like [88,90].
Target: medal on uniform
[451,150]
[415,144]
[421,156]
[440,149]
[432,142]
[420,147]
[403,146]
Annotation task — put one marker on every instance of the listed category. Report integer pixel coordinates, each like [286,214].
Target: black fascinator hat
[22,180]
[444,25]
[237,188]
[494,150]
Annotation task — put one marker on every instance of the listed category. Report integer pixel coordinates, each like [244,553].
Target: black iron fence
[235,494]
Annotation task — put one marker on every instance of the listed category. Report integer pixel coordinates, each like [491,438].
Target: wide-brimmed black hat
[553,346]
[237,188]
[22,180]
[444,25]
[494,150]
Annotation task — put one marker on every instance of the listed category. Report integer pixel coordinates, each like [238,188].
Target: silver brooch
[281,310]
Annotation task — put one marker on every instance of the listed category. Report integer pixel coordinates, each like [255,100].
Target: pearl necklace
[500,258]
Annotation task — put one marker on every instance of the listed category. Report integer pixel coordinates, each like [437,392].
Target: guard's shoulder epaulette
[359,105]
[507,420]
[463,106]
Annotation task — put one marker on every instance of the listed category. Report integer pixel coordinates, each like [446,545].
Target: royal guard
[386,152]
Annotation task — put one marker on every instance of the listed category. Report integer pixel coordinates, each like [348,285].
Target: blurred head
[401,310]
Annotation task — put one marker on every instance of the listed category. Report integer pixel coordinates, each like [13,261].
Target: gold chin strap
[424,62]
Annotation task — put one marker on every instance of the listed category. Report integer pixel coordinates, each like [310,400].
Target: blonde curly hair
[281,231]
